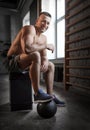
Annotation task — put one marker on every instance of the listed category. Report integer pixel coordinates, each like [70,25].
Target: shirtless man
[29,51]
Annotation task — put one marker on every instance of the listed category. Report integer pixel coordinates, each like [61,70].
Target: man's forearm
[35,47]
[41,47]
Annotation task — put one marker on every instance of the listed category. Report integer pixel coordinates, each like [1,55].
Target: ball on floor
[47,109]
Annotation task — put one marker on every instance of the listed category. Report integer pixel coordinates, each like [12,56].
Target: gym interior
[70,33]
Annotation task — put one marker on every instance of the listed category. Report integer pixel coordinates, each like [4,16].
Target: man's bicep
[28,34]
[28,39]
[24,40]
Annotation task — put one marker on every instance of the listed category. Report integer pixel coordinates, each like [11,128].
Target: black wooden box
[20,91]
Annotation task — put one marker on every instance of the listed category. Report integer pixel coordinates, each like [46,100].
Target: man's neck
[37,31]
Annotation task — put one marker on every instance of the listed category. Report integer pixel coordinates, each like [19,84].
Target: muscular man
[29,52]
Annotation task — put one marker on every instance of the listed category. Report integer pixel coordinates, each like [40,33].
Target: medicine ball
[47,109]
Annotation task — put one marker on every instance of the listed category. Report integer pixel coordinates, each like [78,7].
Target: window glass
[49,6]
[60,38]
[60,8]
[26,19]
[56,32]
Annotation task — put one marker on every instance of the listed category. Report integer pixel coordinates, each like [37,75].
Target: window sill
[58,61]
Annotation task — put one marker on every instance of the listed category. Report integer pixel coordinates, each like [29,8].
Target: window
[49,6]
[60,21]
[26,19]
[56,32]
[60,38]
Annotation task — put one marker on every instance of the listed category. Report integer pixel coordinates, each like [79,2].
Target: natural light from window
[56,32]
[49,6]
[26,19]
[60,38]
[60,28]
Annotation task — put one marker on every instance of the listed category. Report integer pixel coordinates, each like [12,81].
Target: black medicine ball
[47,109]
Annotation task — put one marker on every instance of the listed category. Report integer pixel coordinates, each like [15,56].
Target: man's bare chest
[39,39]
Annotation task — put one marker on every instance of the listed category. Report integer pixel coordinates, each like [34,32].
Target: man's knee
[36,57]
[51,66]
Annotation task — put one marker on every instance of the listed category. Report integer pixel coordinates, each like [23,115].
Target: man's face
[43,23]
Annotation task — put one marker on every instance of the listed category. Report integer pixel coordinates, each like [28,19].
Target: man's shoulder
[28,27]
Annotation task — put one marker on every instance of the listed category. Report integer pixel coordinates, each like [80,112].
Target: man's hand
[50,47]
[44,66]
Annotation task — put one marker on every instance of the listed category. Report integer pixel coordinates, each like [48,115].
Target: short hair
[45,13]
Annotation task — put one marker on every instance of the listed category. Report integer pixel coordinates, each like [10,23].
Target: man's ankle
[36,92]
